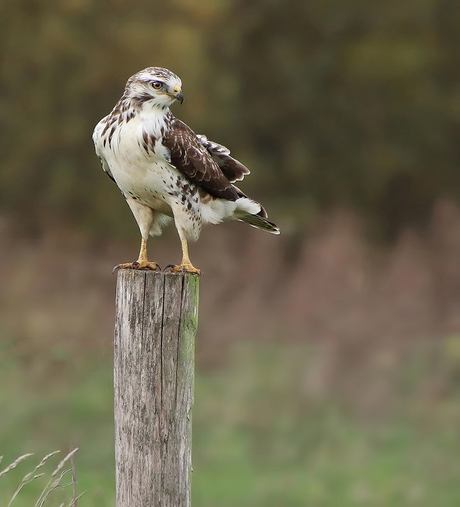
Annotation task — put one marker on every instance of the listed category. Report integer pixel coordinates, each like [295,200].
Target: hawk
[165,171]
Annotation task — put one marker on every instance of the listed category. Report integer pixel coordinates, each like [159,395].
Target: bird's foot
[137,265]
[185,267]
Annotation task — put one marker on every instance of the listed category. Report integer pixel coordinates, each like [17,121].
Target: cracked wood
[154,356]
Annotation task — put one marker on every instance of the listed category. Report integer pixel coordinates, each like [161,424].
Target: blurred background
[328,358]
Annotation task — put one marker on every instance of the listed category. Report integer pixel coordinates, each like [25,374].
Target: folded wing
[207,164]
[232,168]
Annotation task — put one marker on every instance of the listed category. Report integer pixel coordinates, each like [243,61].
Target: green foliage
[261,437]
[329,102]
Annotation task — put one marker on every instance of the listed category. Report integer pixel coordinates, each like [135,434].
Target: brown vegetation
[362,308]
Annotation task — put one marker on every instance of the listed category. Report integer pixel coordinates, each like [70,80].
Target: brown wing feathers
[200,161]
[232,168]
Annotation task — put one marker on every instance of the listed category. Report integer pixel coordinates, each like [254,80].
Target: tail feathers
[259,222]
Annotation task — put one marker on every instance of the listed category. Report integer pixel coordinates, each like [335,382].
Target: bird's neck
[155,120]
[149,107]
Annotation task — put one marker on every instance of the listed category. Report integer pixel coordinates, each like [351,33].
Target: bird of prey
[164,170]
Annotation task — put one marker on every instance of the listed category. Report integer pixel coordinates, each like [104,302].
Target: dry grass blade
[52,486]
[62,463]
[26,480]
[74,481]
[31,476]
[43,461]
[74,501]
[53,483]
[15,463]
[56,484]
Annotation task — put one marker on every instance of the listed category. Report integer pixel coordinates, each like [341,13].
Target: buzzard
[165,171]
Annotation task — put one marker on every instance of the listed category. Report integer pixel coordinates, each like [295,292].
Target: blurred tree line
[330,103]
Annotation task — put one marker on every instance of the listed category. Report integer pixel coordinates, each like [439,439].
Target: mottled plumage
[164,170]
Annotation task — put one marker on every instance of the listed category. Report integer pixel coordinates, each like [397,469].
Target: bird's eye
[157,85]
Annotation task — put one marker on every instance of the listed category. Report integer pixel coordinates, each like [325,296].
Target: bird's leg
[185,266]
[141,263]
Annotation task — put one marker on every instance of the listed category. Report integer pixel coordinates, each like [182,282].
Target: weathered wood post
[154,360]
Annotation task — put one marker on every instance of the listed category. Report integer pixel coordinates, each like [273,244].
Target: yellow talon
[185,266]
[141,263]
[136,265]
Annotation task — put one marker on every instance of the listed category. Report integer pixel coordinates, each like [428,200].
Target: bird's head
[158,86]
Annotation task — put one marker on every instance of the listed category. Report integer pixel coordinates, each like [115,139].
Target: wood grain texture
[154,363]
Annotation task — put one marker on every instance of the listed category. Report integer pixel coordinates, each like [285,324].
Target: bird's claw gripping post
[185,266]
[147,265]
[182,268]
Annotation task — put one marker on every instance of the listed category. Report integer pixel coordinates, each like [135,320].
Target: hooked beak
[179,96]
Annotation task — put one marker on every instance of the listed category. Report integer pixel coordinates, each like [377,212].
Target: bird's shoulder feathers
[202,162]
[233,169]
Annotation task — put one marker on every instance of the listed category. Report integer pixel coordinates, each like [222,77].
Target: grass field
[261,439]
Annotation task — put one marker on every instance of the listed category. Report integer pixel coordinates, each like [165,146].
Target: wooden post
[154,360]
